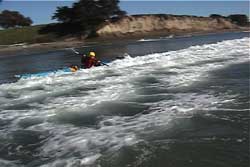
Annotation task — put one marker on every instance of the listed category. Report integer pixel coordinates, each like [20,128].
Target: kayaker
[90,60]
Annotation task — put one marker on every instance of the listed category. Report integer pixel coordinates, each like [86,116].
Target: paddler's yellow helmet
[92,54]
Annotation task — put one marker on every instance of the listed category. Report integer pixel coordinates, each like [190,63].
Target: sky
[41,11]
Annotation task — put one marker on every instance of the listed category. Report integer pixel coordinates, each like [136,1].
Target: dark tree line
[239,19]
[10,19]
[84,17]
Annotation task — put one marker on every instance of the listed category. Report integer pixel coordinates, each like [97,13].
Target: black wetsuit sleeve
[83,59]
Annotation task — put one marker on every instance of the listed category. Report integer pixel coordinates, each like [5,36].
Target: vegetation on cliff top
[84,17]
[10,19]
[239,19]
[25,35]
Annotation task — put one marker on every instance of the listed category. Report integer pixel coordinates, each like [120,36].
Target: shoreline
[39,48]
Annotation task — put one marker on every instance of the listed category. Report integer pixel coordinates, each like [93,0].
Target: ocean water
[162,105]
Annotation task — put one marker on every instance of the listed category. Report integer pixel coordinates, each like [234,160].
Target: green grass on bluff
[24,35]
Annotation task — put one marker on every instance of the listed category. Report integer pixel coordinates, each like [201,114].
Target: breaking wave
[79,117]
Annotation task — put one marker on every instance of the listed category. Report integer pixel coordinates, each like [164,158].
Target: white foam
[5,163]
[156,39]
[90,160]
[90,91]
[148,40]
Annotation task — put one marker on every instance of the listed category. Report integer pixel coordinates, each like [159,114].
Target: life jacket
[89,62]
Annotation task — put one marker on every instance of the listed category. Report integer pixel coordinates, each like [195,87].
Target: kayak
[63,70]
[44,74]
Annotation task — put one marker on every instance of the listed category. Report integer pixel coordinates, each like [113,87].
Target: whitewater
[85,118]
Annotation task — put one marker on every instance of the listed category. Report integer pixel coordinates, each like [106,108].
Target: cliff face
[168,24]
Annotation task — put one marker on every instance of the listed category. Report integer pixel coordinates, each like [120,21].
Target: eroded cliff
[162,24]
